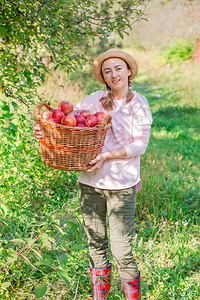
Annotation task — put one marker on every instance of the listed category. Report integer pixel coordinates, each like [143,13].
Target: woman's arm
[141,132]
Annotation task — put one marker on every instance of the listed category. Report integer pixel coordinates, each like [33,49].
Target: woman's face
[115,73]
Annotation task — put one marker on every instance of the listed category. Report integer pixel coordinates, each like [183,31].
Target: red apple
[100,114]
[65,107]
[91,121]
[80,125]
[47,115]
[86,113]
[57,114]
[54,121]
[79,118]
[68,120]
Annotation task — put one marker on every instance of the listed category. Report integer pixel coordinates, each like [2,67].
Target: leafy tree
[62,28]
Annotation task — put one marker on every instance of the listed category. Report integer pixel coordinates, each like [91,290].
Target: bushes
[180,50]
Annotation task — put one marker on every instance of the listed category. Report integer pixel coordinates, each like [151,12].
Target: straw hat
[118,53]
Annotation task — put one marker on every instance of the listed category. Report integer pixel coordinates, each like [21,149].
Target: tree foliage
[62,28]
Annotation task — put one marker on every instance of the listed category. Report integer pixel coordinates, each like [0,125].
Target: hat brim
[111,53]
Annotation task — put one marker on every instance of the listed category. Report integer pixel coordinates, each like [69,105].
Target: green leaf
[4,210]
[14,104]
[2,221]
[18,241]
[140,242]
[64,275]
[40,290]
[120,34]
[74,225]
[12,259]
[45,262]
[77,247]
[8,116]
[30,241]
[27,73]
[2,103]
[5,107]
[5,285]
[13,126]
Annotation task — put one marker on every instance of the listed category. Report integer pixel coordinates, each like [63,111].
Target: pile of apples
[65,115]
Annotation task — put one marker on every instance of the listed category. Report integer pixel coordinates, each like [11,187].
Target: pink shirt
[131,124]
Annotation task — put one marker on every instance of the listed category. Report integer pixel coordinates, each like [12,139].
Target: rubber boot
[132,288]
[101,279]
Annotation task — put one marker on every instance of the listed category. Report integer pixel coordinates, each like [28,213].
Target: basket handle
[38,114]
[106,120]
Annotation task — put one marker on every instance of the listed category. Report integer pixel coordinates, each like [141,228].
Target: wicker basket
[70,148]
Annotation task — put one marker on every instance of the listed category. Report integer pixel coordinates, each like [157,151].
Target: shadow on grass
[182,117]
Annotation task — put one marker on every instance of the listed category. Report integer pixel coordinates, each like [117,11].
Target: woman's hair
[107,102]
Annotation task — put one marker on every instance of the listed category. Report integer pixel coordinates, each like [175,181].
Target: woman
[109,187]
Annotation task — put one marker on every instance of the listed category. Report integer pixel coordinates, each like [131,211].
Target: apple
[53,120]
[86,113]
[65,107]
[100,114]
[91,121]
[68,120]
[47,115]
[57,114]
[80,125]
[79,118]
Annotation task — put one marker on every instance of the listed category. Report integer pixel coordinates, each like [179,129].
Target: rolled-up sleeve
[142,121]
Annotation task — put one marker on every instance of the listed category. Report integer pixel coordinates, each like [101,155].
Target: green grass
[42,239]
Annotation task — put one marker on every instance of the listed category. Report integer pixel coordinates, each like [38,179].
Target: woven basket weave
[70,148]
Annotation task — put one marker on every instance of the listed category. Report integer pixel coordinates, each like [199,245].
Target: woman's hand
[97,162]
[119,153]
[37,132]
